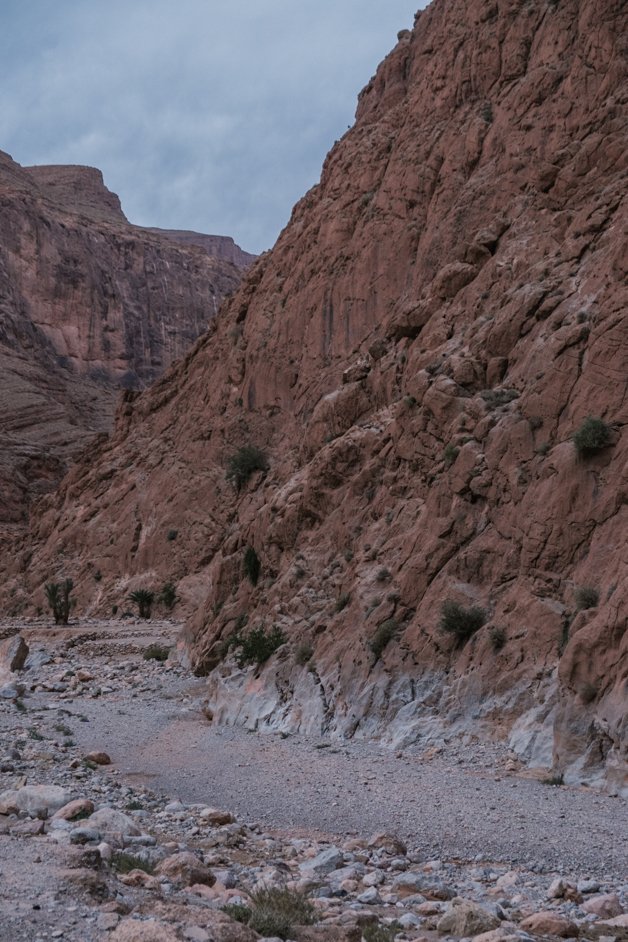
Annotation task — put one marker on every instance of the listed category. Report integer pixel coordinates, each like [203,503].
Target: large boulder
[38,801]
[464,918]
[13,653]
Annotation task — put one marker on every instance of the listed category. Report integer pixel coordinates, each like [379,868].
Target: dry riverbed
[462,820]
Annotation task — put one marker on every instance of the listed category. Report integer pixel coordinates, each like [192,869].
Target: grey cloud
[202,114]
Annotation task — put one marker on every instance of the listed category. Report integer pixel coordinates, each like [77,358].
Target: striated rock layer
[88,303]
[439,317]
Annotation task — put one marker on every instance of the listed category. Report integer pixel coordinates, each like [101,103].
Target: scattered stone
[38,801]
[80,807]
[324,863]
[389,843]
[186,869]
[98,758]
[550,923]
[606,906]
[135,930]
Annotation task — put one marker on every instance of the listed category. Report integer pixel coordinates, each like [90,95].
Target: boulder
[550,923]
[13,653]
[464,918]
[38,801]
[186,869]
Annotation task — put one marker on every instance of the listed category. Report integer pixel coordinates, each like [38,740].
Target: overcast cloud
[212,115]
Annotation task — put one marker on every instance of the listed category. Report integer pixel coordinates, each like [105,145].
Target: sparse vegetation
[58,595]
[156,652]
[592,436]
[144,599]
[383,575]
[237,912]
[122,862]
[588,692]
[557,778]
[384,634]
[461,622]
[303,654]
[258,645]
[378,932]
[243,463]
[168,595]
[276,911]
[450,454]
[498,638]
[586,597]
[499,397]
[252,565]
[172,535]
[342,601]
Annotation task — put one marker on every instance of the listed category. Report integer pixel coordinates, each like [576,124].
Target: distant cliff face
[441,315]
[88,303]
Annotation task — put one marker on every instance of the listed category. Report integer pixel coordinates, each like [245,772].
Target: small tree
[258,645]
[168,595]
[144,599]
[58,595]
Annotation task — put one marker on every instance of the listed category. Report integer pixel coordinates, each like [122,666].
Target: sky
[213,115]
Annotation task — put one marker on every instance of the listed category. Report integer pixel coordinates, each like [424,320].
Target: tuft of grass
[62,728]
[461,622]
[592,436]
[384,634]
[378,932]
[156,652]
[557,778]
[383,575]
[172,535]
[277,911]
[20,706]
[586,597]
[238,912]
[498,397]
[122,862]
[36,735]
[450,454]
[243,463]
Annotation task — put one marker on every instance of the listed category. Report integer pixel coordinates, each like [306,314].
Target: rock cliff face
[88,303]
[440,316]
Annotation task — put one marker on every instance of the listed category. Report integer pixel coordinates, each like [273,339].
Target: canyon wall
[88,304]
[440,316]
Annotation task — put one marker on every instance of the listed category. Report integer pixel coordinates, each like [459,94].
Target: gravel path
[459,805]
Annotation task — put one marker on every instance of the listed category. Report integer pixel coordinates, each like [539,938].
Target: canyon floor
[468,813]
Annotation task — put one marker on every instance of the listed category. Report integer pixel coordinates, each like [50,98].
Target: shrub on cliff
[258,645]
[586,597]
[168,595]
[58,595]
[383,636]
[592,436]
[461,622]
[144,599]
[252,565]
[242,464]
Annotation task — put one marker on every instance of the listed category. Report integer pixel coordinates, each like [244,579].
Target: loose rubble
[86,856]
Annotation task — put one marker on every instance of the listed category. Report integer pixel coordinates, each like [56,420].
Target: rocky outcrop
[440,316]
[88,303]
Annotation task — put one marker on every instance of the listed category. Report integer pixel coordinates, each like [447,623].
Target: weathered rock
[550,923]
[13,653]
[388,843]
[186,869]
[98,758]
[80,807]
[327,861]
[136,930]
[109,821]
[34,800]
[606,906]
[464,917]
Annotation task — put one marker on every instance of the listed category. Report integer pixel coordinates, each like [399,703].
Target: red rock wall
[88,303]
[440,315]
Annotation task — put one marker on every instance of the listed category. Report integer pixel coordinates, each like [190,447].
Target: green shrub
[58,595]
[592,436]
[498,397]
[258,645]
[172,535]
[156,652]
[144,599]
[461,622]
[168,595]
[383,575]
[97,576]
[276,911]
[384,634]
[586,597]
[242,464]
[252,565]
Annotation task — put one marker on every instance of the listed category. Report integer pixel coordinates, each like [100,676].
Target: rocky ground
[125,815]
